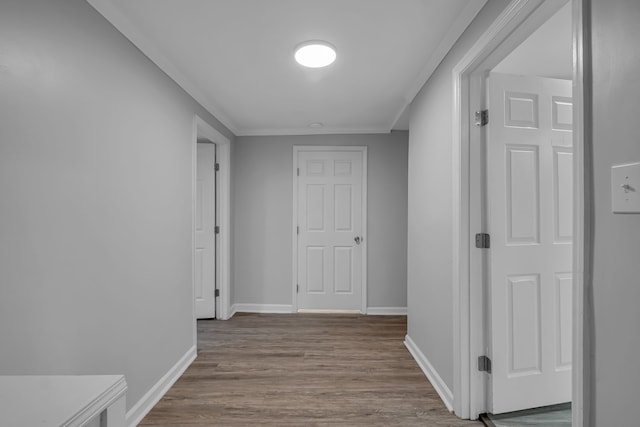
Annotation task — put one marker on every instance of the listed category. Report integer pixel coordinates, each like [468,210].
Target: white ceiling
[236,56]
[548,52]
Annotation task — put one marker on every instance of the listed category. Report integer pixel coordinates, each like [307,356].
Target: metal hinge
[216,293]
[217,229]
[483,241]
[217,167]
[297,229]
[482,118]
[298,171]
[484,364]
[297,289]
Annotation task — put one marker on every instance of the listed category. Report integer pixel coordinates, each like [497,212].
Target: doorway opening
[526,161]
[514,209]
[210,223]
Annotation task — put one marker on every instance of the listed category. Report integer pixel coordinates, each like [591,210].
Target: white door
[205,262]
[330,229]
[530,202]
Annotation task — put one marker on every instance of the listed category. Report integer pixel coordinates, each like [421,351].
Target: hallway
[302,370]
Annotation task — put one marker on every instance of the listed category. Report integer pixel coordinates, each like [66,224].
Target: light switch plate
[625,188]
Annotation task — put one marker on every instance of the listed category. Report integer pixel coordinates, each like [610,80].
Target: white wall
[548,52]
[262,175]
[95,200]
[430,262]
[616,272]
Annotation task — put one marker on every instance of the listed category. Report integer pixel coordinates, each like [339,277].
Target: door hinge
[298,229]
[482,118]
[217,229]
[484,364]
[217,167]
[297,289]
[483,241]
[298,172]
[216,293]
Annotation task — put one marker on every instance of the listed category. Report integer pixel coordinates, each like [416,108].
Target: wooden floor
[302,370]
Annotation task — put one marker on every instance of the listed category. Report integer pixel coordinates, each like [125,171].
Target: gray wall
[616,272]
[430,262]
[95,200]
[263,199]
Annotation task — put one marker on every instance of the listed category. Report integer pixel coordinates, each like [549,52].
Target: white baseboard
[327,311]
[149,400]
[232,311]
[432,375]
[262,308]
[387,311]
[287,308]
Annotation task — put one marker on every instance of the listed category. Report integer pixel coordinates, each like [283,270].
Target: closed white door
[330,229]
[530,202]
[205,262]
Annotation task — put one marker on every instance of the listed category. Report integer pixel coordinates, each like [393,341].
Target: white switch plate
[625,188]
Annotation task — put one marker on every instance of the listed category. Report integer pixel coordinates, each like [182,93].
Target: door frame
[517,21]
[203,130]
[294,232]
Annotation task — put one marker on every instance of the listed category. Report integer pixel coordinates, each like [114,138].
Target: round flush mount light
[316,125]
[315,54]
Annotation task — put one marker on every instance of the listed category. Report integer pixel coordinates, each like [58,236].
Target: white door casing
[330,224]
[530,220]
[205,251]
[203,131]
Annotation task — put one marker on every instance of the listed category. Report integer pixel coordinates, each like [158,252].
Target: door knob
[357,240]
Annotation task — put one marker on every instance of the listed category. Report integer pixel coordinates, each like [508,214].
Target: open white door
[330,207]
[205,253]
[530,200]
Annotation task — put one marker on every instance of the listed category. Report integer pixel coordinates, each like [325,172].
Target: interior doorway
[472,294]
[527,195]
[211,225]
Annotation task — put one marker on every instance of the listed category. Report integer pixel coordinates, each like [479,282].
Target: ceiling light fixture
[315,54]
[316,125]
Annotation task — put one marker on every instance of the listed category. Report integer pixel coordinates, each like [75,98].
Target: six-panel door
[530,200]
[330,230]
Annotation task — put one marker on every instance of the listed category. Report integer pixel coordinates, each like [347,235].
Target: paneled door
[530,202]
[205,253]
[330,228]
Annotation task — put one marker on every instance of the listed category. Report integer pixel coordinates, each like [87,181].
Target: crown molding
[455,31]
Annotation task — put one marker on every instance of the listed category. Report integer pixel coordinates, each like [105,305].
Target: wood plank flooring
[303,370]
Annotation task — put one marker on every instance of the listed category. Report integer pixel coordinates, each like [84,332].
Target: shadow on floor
[550,416]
